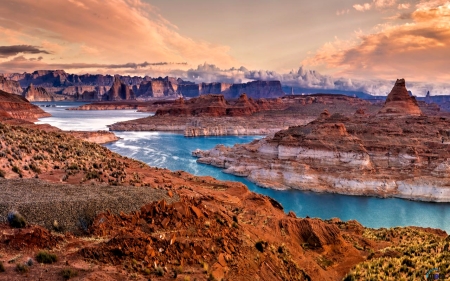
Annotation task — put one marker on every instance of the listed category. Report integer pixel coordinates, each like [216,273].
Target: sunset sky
[348,44]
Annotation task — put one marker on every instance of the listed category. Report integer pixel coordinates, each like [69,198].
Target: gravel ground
[72,206]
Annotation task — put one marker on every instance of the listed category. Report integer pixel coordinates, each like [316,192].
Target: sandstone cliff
[396,152]
[14,106]
[157,88]
[93,87]
[216,105]
[10,86]
[399,102]
[119,91]
[400,157]
[33,93]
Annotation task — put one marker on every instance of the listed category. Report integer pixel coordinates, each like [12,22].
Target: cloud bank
[309,79]
[418,48]
[97,32]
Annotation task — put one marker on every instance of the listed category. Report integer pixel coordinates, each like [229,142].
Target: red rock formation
[216,105]
[33,93]
[15,106]
[119,91]
[10,86]
[399,102]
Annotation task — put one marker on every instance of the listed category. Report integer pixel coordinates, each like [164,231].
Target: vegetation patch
[16,220]
[46,257]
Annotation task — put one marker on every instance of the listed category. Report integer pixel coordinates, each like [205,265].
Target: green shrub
[46,257]
[69,273]
[16,220]
[22,268]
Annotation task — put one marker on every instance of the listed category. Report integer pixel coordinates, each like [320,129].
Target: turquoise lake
[173,151]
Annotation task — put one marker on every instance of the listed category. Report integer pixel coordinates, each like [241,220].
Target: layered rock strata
[14,106]
[10,86]
[394,157]
[119,91]
[33,93]
[394,153]
[399,102]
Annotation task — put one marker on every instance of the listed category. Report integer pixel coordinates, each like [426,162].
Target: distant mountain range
[53,85]
[56,85]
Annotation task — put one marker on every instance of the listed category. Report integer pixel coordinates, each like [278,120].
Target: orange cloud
[418,50]
[378,4]
[113,31]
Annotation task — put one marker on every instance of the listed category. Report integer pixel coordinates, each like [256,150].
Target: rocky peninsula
[397,152]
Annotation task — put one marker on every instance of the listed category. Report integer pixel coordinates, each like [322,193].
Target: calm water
[173,151]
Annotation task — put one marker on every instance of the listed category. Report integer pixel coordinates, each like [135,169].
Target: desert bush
[16,220]
[69,273]
[46,257]
[22,268]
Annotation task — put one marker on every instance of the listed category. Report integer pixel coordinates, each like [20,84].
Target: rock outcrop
[399,102]
[394,157]
[119,91]
[10,86]
[14,106]
[216,106]
[33,93]
[157,88]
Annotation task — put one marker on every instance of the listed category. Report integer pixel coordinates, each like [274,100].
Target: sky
[361,45]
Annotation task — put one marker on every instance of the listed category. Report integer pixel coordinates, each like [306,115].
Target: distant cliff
[60,85]
[33,93]
[119,91]
[255,89]
[10,86]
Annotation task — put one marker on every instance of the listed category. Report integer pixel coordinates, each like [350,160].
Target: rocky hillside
[205,229]
[379,155]
[14,106]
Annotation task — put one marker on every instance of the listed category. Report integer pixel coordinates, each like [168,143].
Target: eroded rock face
[119,91]
[33,93]
[216,105]
[387,157]
[157,88]
[10,86]
[399,102]
[14,106]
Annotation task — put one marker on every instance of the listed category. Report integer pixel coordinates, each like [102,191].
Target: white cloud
[403,6]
